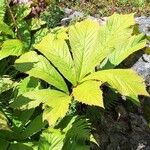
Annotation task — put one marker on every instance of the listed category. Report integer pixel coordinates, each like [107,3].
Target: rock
[68,11]
[133,134]
[142,67]
[144,24]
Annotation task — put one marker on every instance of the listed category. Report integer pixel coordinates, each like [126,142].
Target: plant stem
[13,19]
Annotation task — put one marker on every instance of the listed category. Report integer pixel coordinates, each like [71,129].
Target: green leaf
[83,38]
[4,144]
[3,122]
[20,146]
[4,28]
[5,84]
[35,126]
[22,11]
[77,133]
[24,33]
[57,103]
[37,37]
[57,110]
[123,50]
[55,48]
[126,81]
[39,67]
[2,9]
[28,84]
[89,93]
[36,23]
[116,30]
[52,139]
[13,47]
[20,119]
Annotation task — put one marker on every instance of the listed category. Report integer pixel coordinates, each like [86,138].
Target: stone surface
[142,67]
[144,24]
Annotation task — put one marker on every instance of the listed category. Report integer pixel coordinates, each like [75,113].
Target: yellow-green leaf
[2,9]
[38,66]
[89,93]
[4,28]
[57,110]
[56,103]
[125,49]
[116,30]
[126,81]
[56,50]
[13,47]
[83,38]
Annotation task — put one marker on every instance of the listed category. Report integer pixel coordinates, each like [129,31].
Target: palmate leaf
[39,67]
[13,47]
[126,81]
[89,93]
[56,101]
[123,50]
[55,48]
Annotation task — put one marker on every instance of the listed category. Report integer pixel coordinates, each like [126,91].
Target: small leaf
[36,23]
[24,33]
[28,84]
[13,47]
[89,93]
[5,84]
